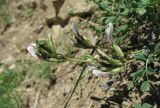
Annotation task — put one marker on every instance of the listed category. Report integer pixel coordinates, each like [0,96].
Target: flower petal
[109,30]
[100,73]
[31,50]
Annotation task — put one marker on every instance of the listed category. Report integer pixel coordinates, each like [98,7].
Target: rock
[51,20]
[75,7]
[74,20]
[39,29]
[57,32]
[50,12]
[57,5]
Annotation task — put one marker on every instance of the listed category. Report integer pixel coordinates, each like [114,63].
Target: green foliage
[39,69]
[127,15]
[144,105]
[9,80]
[5,18]
[130,85]
[4,13]
[103,5]
[2,2]
[137,105]
[145,86]
[7,102]
[137,19]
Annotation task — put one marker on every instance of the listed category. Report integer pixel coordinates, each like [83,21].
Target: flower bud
[109,30]
[118,51]
[117,70]
[80,40]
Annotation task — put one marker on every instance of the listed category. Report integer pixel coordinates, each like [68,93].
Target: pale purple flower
[100,73]
[109,30]
[31,50]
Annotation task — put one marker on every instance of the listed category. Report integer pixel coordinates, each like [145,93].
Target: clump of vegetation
[138,33]
[137,30]
[11,79]
[4,14]
[128,54]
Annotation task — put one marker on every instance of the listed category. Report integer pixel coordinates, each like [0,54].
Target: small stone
[53,79]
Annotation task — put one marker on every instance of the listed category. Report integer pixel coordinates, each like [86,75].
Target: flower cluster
[45,49]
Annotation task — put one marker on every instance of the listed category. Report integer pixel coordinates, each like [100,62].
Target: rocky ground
[34,19]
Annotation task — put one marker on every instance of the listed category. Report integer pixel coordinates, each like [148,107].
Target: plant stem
[78,60]
[129,61]
[81,73]
[146,68]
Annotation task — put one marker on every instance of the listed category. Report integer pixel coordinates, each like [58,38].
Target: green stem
[81,73]
[129,61]
[78,60]
[146,66]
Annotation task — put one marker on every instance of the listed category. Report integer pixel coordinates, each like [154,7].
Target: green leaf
[144,2]
[3,90]
[122,27]
[157,47]
[141,56]
[103,5]
[110,19]
[87,57]
[134,4]
[137,105]
[146,105]
[137,73]
[150,71]
[141,11]
[50,43]
[96,1]
[150,58]
[2,2]
[130,86]
[145,86]
[125,12]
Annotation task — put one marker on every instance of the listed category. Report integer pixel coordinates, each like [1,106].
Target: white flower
[31,50]
[109,30]
[100,73]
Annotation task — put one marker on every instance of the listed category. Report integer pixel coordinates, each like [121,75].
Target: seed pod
[116,62]
[104,55]
[80,40]
[110,59]
[43,53]
[50,43]
[118,51]
[117,70]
